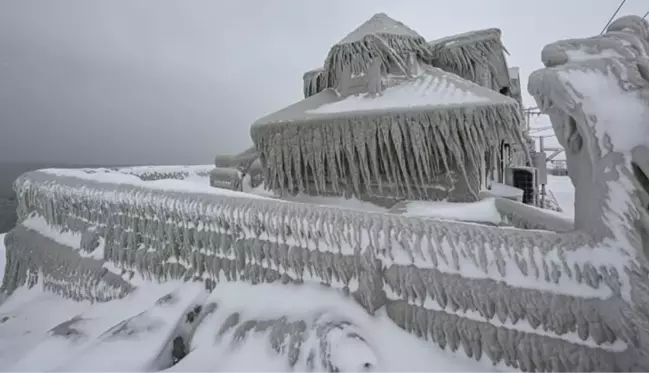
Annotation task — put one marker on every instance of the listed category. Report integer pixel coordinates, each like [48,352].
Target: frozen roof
[313,72]
[433,89]
[465,38]
[427,90]
[379,24]
[514,72]
[464,53]
[379,38]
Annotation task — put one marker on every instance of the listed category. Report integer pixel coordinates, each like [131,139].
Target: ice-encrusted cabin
[392,117]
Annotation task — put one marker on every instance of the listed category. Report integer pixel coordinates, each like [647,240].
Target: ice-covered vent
[381,37]
[405,137]
[314,81]
[478,56]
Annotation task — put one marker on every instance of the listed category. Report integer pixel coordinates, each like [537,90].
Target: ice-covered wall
[535,300]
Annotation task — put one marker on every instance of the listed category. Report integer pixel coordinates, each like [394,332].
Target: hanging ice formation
[382,123]
[478,56]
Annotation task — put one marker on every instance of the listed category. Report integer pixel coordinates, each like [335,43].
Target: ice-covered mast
[390,125]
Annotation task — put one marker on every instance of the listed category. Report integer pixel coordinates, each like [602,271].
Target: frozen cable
[613,16]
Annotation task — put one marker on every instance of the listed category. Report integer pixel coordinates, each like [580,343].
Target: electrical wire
[645,15]
[613,16]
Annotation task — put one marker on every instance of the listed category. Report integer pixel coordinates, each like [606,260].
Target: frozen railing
[168,172]
[535,300]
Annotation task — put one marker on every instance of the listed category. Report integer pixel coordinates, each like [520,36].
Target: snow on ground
[96,339]
[540,126]
[483,211]
[564,192]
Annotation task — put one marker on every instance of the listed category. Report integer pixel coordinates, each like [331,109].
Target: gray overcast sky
[156,81]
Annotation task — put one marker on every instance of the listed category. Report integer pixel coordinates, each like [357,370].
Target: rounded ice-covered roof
[379,24]
[435,89]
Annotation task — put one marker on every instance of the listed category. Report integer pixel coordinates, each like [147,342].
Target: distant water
[9,172]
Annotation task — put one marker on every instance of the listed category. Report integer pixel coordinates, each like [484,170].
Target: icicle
[331,159]
[420,155]
[385,152]
[319,171]
[341,173]
[350,156]
[374,157]
[288,159]
[361,138]
[410,171]
[279,162]
[442,151]
[310,160]
[393,139]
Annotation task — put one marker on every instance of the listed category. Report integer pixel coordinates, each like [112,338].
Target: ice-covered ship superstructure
[392,117]
[552,299]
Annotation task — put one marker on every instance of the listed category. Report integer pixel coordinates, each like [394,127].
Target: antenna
[613,16]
